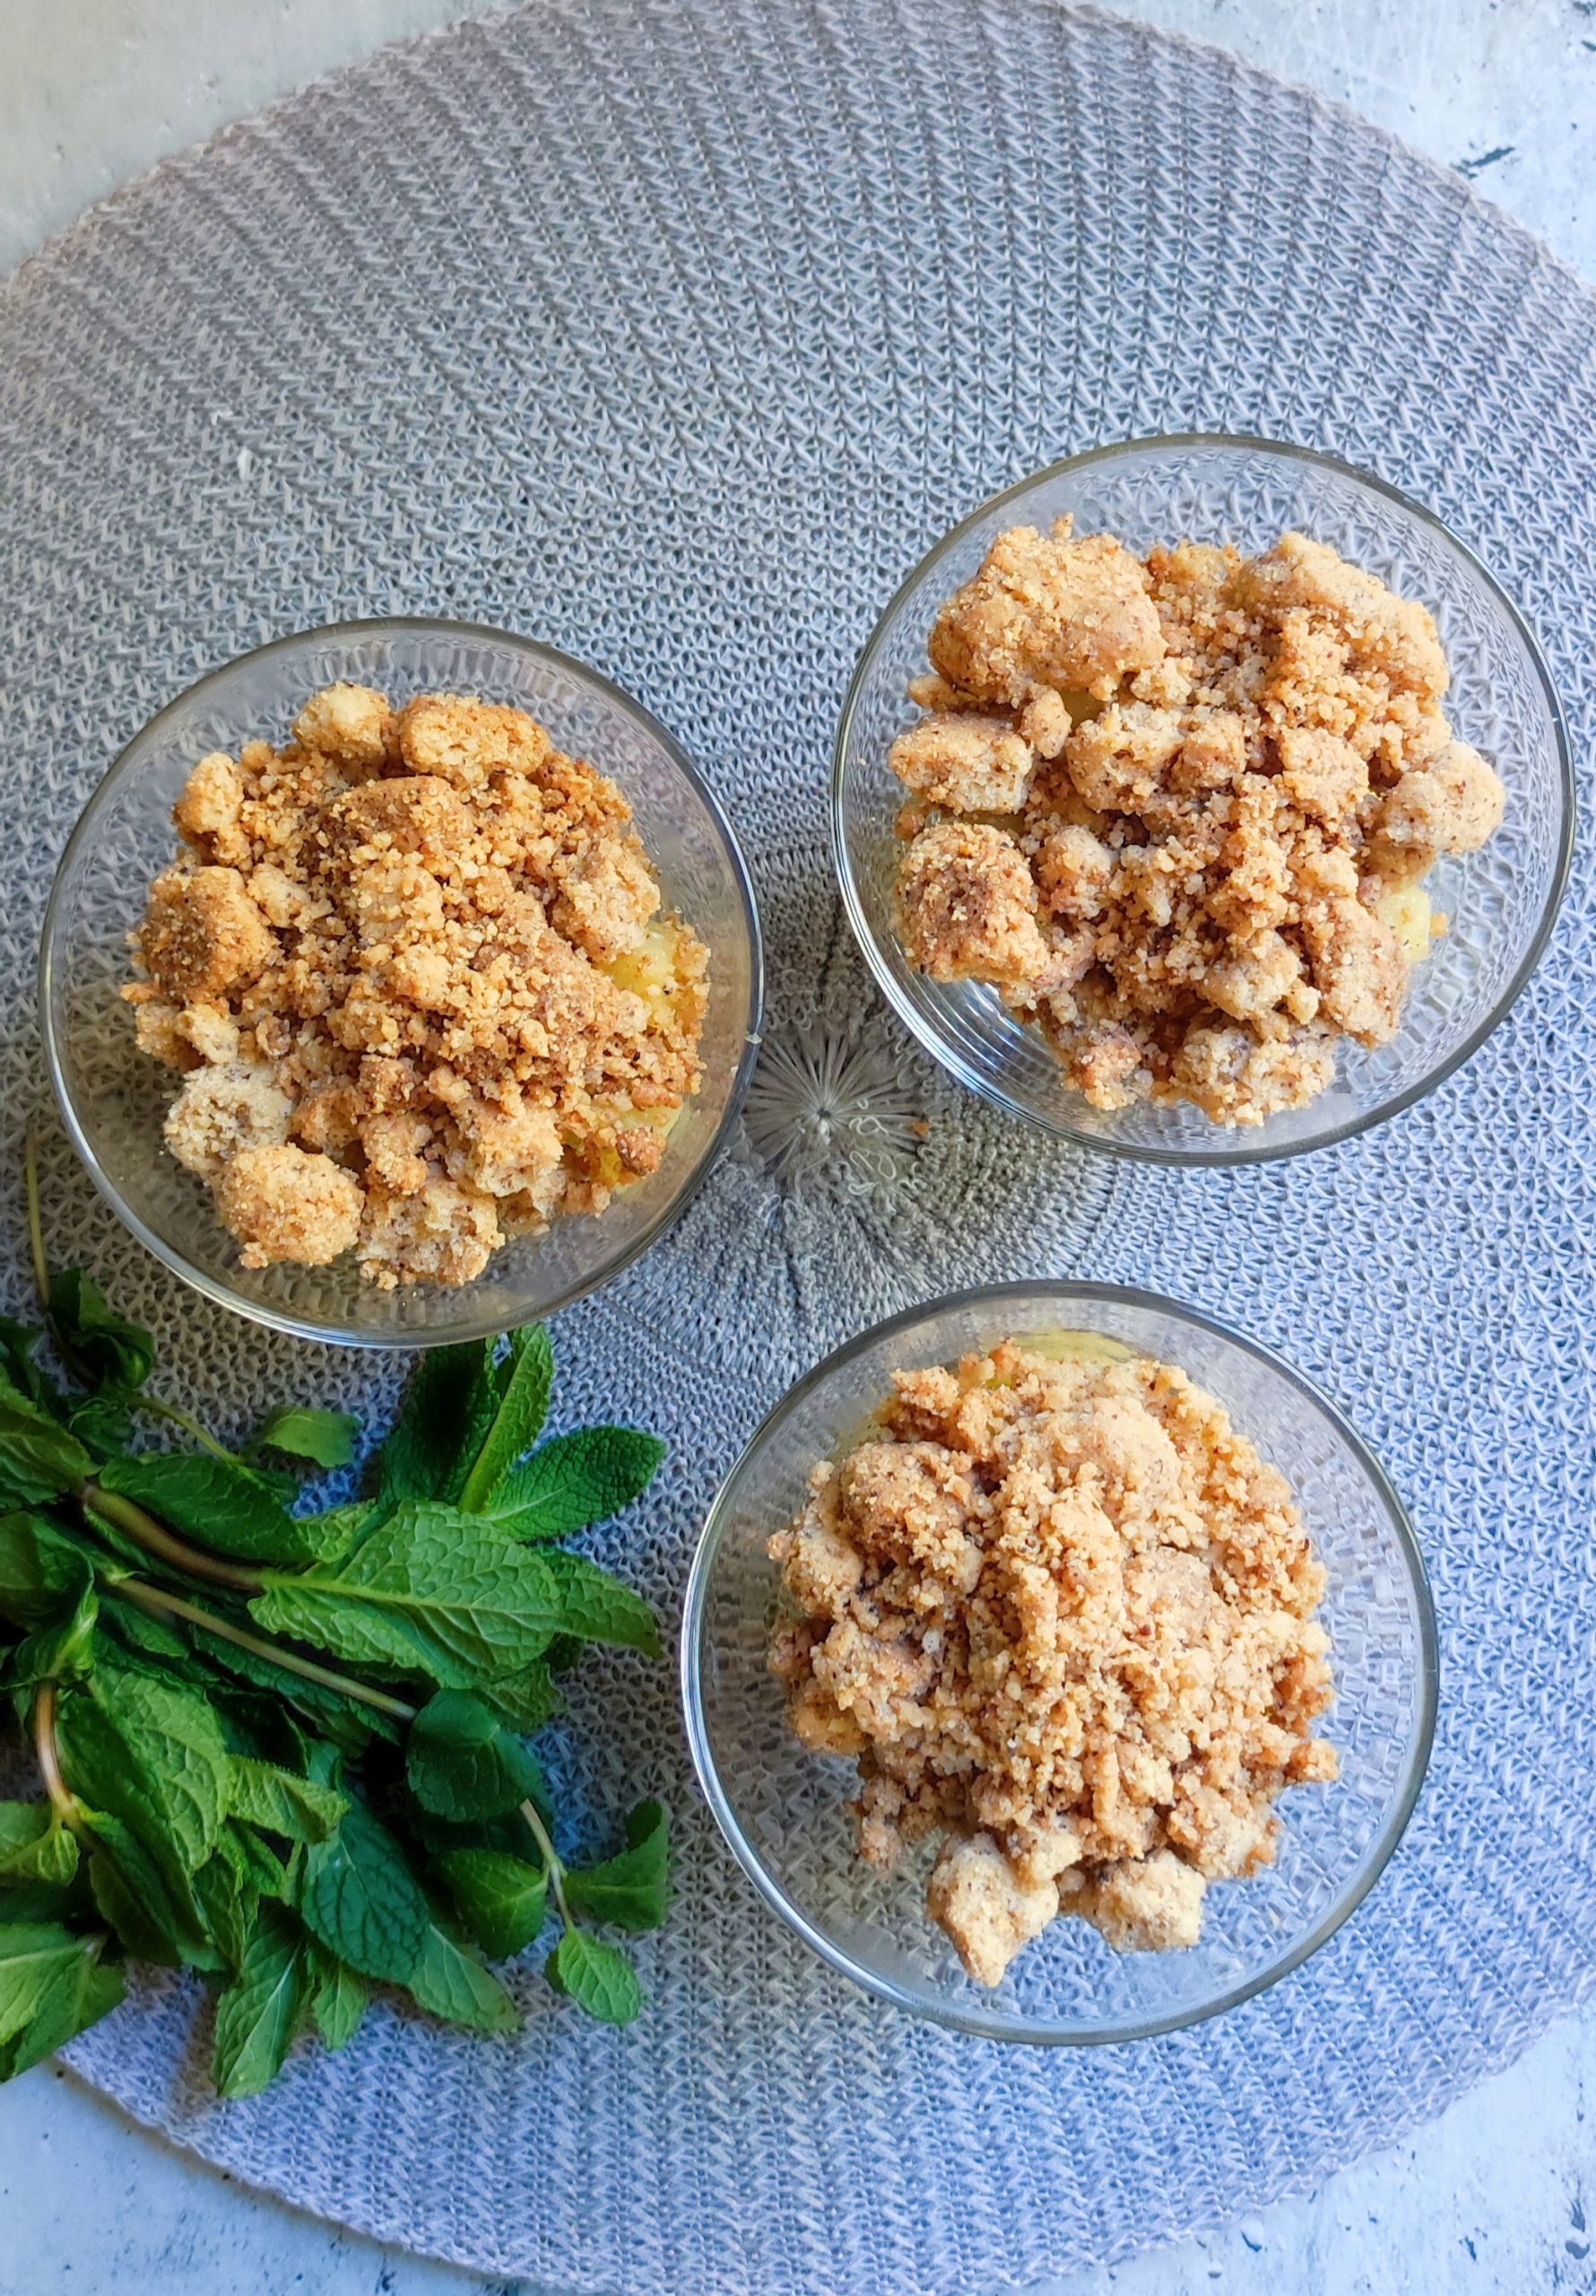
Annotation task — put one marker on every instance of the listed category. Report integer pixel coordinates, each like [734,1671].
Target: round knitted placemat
[672,331]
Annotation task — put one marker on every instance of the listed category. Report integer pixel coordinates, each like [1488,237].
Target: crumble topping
[414,967]
[1176,809]
[1062,1614]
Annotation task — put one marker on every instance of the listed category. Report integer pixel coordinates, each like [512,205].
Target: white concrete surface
[1493,2199]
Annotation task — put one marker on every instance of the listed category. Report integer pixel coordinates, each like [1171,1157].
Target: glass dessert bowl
[1500,900]
[114,1098]
[785,1809]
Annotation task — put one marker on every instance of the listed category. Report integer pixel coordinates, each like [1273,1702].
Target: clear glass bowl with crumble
[1078,917]
[785,1799]
[408,946]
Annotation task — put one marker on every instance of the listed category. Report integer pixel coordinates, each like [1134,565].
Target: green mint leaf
[599,1608]
[226,1507]
[62,1650]
[148,1760]
[337,1531]
[283,1483]
[446,1407]
[258,2013]
[481,1409]
[339,1995]
[34,1845]
[257,1866]
[103,1347]
[157,1918]
[501,1899]
[152,1754]
[350,1723]
[41,1569]
[81,1991]
[229,1904]
[101,1424]
[523,1407]
[452,1983]
[40,1460]
[279,1802]
[120,1649]
[33,1956]
[60,1647]
[574,1480]
[135,1630]
[327,1438]
[19,1349]
[631,1891]
[429,1590]
[43,1902]
[525,1700]
[50,1988]
[597,1976]
[463,1764]
[358,1895]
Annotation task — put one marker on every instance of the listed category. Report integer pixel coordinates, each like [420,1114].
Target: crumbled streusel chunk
[463,740]
[970,905]
[1060,1613]
[221,1111]
[283,1203]
[1174,807]
[203,937]
[970,764]
[417,966]
[351,724]
[976,1894]
[1048,611]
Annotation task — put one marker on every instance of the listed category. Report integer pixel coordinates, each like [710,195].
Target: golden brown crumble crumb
[282,1203]
[222,1109]
[1047,611]
[1062,1614]
[203,937]
[351,724]
[970,906]
[414,969]
[970,764]
[1176,809]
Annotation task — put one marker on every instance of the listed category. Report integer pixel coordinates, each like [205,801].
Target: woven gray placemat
[671,332]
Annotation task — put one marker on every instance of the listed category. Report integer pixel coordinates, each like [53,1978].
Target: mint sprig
[285,1746]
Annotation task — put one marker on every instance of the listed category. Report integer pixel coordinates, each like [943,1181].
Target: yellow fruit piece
[1407,911]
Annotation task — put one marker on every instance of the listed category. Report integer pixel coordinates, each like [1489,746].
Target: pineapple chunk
[650,969]
[1407,911]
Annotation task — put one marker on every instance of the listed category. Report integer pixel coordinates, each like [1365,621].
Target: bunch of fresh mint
[290,1750]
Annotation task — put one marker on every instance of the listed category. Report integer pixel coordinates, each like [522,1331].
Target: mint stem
[170,1411]
[41,1266]
[63,1801]
[156,1598]
[551,1859]
[157,1539]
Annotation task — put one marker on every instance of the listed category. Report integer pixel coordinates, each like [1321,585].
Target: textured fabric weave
[673,333]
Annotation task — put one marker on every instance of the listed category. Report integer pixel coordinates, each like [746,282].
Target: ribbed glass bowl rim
[990,2025]
[334,634]
[918,1021]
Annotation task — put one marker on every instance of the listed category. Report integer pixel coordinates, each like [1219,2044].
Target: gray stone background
[1491,2200]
